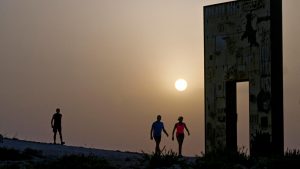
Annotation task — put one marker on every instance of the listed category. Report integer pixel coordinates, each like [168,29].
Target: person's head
[57,110]
[180,118]
[158,117]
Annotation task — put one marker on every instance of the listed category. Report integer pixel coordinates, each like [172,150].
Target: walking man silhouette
[156,129]
[56,125]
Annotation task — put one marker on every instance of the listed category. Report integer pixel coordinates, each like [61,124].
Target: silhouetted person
[179,127]
[156,129]
[56,125]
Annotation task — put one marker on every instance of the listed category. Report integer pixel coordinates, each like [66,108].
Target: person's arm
[52,120]
[186,129]
[173,132]
[165,132]
[151,131]
[61,120]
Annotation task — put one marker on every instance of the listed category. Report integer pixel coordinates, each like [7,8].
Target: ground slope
[55,151]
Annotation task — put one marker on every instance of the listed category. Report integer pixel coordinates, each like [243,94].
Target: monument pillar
[243,42]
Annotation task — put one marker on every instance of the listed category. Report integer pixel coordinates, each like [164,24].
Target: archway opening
[243,135]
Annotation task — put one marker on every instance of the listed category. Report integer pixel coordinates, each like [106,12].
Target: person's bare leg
[157,149]
[54,138]
[61,140]
[180,148]
[180,142]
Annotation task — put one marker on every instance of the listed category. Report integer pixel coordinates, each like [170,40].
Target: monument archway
[243,42]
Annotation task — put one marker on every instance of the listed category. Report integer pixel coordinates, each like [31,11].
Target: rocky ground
[15,154]
[53,151]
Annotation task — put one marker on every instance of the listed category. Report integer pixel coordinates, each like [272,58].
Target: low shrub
[75,162]
[7,154]
[165,159]
[223,159]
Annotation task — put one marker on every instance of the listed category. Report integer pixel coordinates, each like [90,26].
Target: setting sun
[180,84]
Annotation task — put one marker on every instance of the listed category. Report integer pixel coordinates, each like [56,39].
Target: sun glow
[180,84]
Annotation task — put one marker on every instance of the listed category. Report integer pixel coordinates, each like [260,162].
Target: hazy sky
[110,65]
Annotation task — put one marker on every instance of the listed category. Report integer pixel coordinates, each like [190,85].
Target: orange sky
[110,65]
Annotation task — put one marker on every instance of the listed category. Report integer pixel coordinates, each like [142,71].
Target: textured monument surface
[243,42]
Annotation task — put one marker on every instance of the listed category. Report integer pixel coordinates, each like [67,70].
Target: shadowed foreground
[15,154]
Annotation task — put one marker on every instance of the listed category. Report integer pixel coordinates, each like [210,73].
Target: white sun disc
[180,84]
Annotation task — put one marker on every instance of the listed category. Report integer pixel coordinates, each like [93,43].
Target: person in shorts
[179,127]
[56,125]
[156,129]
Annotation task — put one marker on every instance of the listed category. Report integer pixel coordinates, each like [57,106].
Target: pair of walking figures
[157,128]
